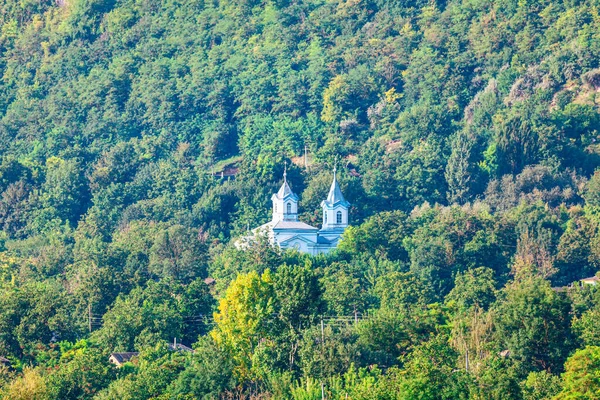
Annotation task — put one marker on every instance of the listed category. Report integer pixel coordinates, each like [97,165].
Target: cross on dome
[285,190]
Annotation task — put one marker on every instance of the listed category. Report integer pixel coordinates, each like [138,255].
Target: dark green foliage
[207,373]
[533,324]
[328,352]
[165,309]
[32,316]
[592,190]
[430,373]
[299,295]
[580,379]
[140,139]
[540,385]
[82,371]
[475,287]
[152,374]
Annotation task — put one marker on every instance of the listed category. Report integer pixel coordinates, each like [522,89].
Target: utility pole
[305,157]
[90,317]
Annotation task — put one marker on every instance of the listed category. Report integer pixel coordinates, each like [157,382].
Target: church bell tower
[335,208]
[285,202]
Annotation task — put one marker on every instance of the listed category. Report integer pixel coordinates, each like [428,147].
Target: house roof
[504,353]
[121,358]
[591,280]
[180,347]
[209,280]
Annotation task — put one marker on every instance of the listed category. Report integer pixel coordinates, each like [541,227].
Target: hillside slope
[138,137]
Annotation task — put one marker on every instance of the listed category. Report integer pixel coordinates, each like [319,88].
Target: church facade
[287,232]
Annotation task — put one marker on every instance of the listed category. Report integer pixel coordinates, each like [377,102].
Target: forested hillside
[138,138]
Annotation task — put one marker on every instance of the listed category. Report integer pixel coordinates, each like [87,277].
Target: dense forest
[139,138]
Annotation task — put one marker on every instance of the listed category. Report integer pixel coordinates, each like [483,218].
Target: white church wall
[298,235]
[332,217]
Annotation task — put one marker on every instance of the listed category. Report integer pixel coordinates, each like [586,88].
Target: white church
[287,232]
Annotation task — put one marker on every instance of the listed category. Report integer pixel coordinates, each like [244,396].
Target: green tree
[156,367]
[380,235]
[586,326]
[475,287]
[178,252]
[540,385]
[458,171]
[298,295]
[343,293]
[592,190]
[328,351]
[533,324]
[82,371]
[158,310]
[581,379]
[208,373]
[64,190]
[430,373]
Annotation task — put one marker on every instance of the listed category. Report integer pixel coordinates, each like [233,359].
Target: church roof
[335,193]
[285,190]
[323,240]
[294,225]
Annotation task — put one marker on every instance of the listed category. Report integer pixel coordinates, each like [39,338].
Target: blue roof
[285,190]
[335,194]
[296,225]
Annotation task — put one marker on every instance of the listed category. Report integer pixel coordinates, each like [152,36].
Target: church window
[289,208]
[338,217]
[275,207]
[325,217]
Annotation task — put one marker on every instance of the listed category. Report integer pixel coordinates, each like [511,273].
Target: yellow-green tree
[243,319]
[29,386]
[581,379]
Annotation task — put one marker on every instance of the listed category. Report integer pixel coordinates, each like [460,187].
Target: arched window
[289,208]
[325,217]
[338,217]
[275,207]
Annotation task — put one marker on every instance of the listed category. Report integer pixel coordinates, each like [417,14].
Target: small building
[287,232]
[591,280]
[5,362]
[121,358]
[209,281]
[504,353]
[180,347]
